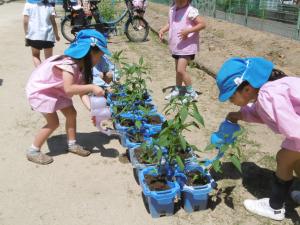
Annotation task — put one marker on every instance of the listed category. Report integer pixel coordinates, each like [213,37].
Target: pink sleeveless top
[45,91]
[178,20]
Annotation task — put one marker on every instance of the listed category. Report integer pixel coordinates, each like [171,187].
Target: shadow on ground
[256,180]
[92,141]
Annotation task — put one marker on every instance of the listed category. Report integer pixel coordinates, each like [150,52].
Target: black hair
[87,65]
[275,75]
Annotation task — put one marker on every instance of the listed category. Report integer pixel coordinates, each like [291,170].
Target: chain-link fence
[276,16]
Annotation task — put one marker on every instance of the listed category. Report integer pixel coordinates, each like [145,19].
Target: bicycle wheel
[66,29]
[136,29]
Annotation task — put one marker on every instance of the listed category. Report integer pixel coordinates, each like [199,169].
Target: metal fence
[276,16]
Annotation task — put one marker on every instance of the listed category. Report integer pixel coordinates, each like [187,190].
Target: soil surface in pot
[196,178]
[127,123]
[154,120]
[137,138]
[184,155]
[157,183]
[139,154]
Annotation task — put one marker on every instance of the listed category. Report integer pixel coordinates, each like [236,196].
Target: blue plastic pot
[125,141]
[161,203]
[154,129]
[195,198]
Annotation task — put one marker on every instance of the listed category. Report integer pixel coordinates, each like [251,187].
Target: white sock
[33,149]
[71,143]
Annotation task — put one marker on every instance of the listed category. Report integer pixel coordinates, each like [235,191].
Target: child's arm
[25,23]
[247,113]
[77,89]
[55,27]
[199,25]
[163,30]
[86,101]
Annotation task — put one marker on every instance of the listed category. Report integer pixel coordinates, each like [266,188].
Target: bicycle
[136,27]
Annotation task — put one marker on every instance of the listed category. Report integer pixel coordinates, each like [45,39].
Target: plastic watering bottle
[101,112]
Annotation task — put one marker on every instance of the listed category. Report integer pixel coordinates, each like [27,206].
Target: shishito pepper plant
[172,136]
[134,86]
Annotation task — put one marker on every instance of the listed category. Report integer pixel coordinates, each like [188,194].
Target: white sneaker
[295,195]
[190,97]
[262,207]
[173,94]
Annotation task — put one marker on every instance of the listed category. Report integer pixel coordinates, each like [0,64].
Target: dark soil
[137,138]
[114,97]
[157,183]
[127,123]
[145,96]
[154,120]
[184,155]
[139,155]
[196,178]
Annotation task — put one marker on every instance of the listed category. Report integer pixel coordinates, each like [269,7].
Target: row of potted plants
[164,161]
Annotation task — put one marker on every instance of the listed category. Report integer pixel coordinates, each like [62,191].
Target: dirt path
[101,189]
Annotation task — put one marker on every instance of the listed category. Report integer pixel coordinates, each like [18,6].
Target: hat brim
[81,50]
[225,96]
[104,50]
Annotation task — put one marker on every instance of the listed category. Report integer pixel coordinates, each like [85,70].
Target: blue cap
[236,70]
[86,39]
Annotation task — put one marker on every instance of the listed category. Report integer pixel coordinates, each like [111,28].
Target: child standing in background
[184,26]
[40,29]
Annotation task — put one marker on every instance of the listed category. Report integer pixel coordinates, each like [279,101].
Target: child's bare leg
[33,153]
[46,131]
[283,180]
[70,114]
[286,160]
[48,52]
[297,168]
[182,73]
[179,80]
[36,56]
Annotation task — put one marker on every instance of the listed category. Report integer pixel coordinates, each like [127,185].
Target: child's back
[40,26]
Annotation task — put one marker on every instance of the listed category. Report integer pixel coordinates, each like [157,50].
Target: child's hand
[57,37]
[108,77]
[183,34]
[98,91]
[234,117]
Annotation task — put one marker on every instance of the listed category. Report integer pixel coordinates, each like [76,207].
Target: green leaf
[163,140]
[183,114]
[138,124]
[182,142]
[180,163]
[210,147]
[197,115]
[217,166]
[194,147]
[236,162]
[158,155]
[141,61]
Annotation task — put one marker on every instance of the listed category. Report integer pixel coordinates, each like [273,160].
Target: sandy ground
[101,189]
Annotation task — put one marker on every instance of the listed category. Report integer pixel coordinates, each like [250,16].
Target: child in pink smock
[266,95]
[52,85]
[183,26]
